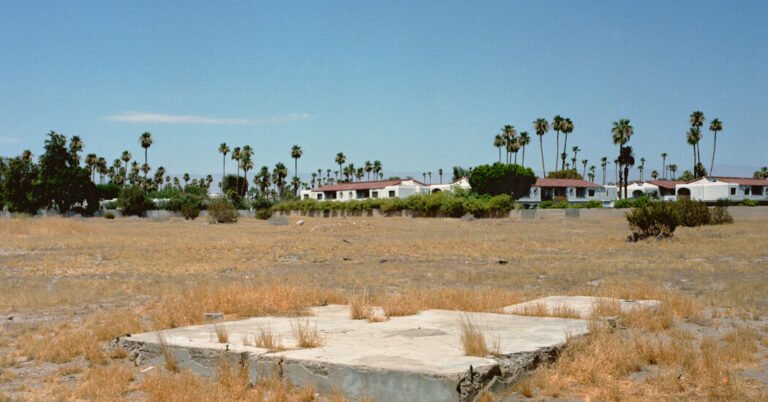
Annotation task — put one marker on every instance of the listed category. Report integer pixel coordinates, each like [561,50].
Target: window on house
[733,190]
[746,190]
[591,193]
[757,190]
[391,193]
[581,192]
[374,194]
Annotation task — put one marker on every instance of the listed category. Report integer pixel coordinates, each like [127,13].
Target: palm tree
[499,142]
[359,174]
[424,174]
[263,180]
[368,167]
[186,179]
[340,159]
[101,167]
[509,134]
[654,174]
[512,148]
[603,164]
[627,160]
[576,151]
[584,162]
[761,174]
[440,173]
[296,153]
[146,141]
[159,173]
[715,126]
[376,168]
[280,173]
[75,146]
[236,157]
[567,127]
[664,165]
[524,140]
[246,163]
[592,173]
[697,120]
[223,150]
[693,136]
[557,126]
[541,126]
[672,169]
[430,177]
[314,179]
[126,157]
[641,168]
[622,131]
[90,162]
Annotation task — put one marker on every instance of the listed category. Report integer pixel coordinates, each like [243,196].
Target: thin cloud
[9,140]
[143,117]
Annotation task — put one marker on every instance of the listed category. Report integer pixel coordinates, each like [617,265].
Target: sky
[418,85]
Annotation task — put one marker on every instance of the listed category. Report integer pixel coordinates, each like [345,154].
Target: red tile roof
[364,185]
[668,184]
[744,181]
[565,183]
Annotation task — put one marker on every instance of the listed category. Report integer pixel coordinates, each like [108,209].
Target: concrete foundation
[418,358]
[583,306]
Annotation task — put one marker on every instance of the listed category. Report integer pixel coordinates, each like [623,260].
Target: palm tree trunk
[541,147]
[515,158]
[499,154]
[557,150]
[694,160]
[712,164]
[295,167]
[565,147]
[223,171]
[626,177]
[604,168]
[523,155]
[584,172]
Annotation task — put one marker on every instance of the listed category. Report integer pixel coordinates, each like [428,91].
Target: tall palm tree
[693,136]
[340,159]
[90,162]
[524,140]
[584,162]
[145,140]
[440,173]
[654,174]
[314,179]
[641,168]
[430,177]
[499,142]
[101,167]
[514,147]
[604,164]
[627,159]
[509,133]
[75,146]
[672,169]
[126,157]
[368,167]
[697,120]
[557,126]
[236,157]
[664,165]
[576,151]
[246,163]
[714,126]
[296,153]
[186,179]
[263,180]
[567,127]
[622,131]
[223,150]
[376,168]
[541,126]
[592,173]
[280,173]
[159,173]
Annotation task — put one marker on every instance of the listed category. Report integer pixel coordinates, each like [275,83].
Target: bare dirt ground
[69,286]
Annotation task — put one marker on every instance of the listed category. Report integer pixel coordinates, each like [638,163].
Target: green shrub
[593,204]
[190,211]
[110,205]
[724,202]
[132,201]
[657,219]
[109,215]
[553,205]
[565,174]
[221,210]
[693,213]
[720,215]
[107,191]
[263,214]
[624,203]
[749,203]
[501,178]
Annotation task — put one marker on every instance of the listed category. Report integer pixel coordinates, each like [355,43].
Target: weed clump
[657,219]
[221,210]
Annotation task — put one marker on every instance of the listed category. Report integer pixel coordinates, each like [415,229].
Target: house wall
[605,194]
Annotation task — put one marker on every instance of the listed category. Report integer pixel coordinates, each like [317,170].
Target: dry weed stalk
[306,334]
[222,334]
[266,339]
[472,338]
[171,364]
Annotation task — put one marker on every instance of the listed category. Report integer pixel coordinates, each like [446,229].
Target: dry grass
[472,338]
[222,334]
[171,364]
[109,382]
[267,339]
[185,269]
[306,334]
[542,310]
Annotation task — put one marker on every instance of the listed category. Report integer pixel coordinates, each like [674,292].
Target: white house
[569,190]
[462,183]
[665,189]
[400,188]
[711,189]
[639,188]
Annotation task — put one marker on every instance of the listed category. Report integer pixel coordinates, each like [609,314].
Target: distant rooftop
[365,185]
[565,183]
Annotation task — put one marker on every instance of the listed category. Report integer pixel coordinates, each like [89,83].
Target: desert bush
[501,178]
[693,213]
[221,210]
[133,202]
[190,205]
[565,174]
[720,215]
[593,204]
[749,203]
[263,214]
[624,203]
[553,205]
[109,215]
[657,219]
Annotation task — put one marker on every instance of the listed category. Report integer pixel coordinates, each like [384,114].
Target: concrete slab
[581,306]
[415,357]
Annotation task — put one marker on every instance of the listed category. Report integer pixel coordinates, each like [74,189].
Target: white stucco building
[570,190]
[366,189]
[462,183]
[711,189]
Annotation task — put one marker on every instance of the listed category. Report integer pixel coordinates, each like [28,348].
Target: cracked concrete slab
[416,357]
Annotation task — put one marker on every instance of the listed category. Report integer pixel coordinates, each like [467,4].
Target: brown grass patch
[222,334]
[472,338]
[542,310]
[267,339]
[306,334]
[109,382]
[171,364]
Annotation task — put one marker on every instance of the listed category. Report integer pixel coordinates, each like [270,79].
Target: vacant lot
[68,286]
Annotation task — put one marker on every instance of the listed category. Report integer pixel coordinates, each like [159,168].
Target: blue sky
[419,85]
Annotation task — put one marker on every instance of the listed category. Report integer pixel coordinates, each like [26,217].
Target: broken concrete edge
[583,306]
[327,377]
